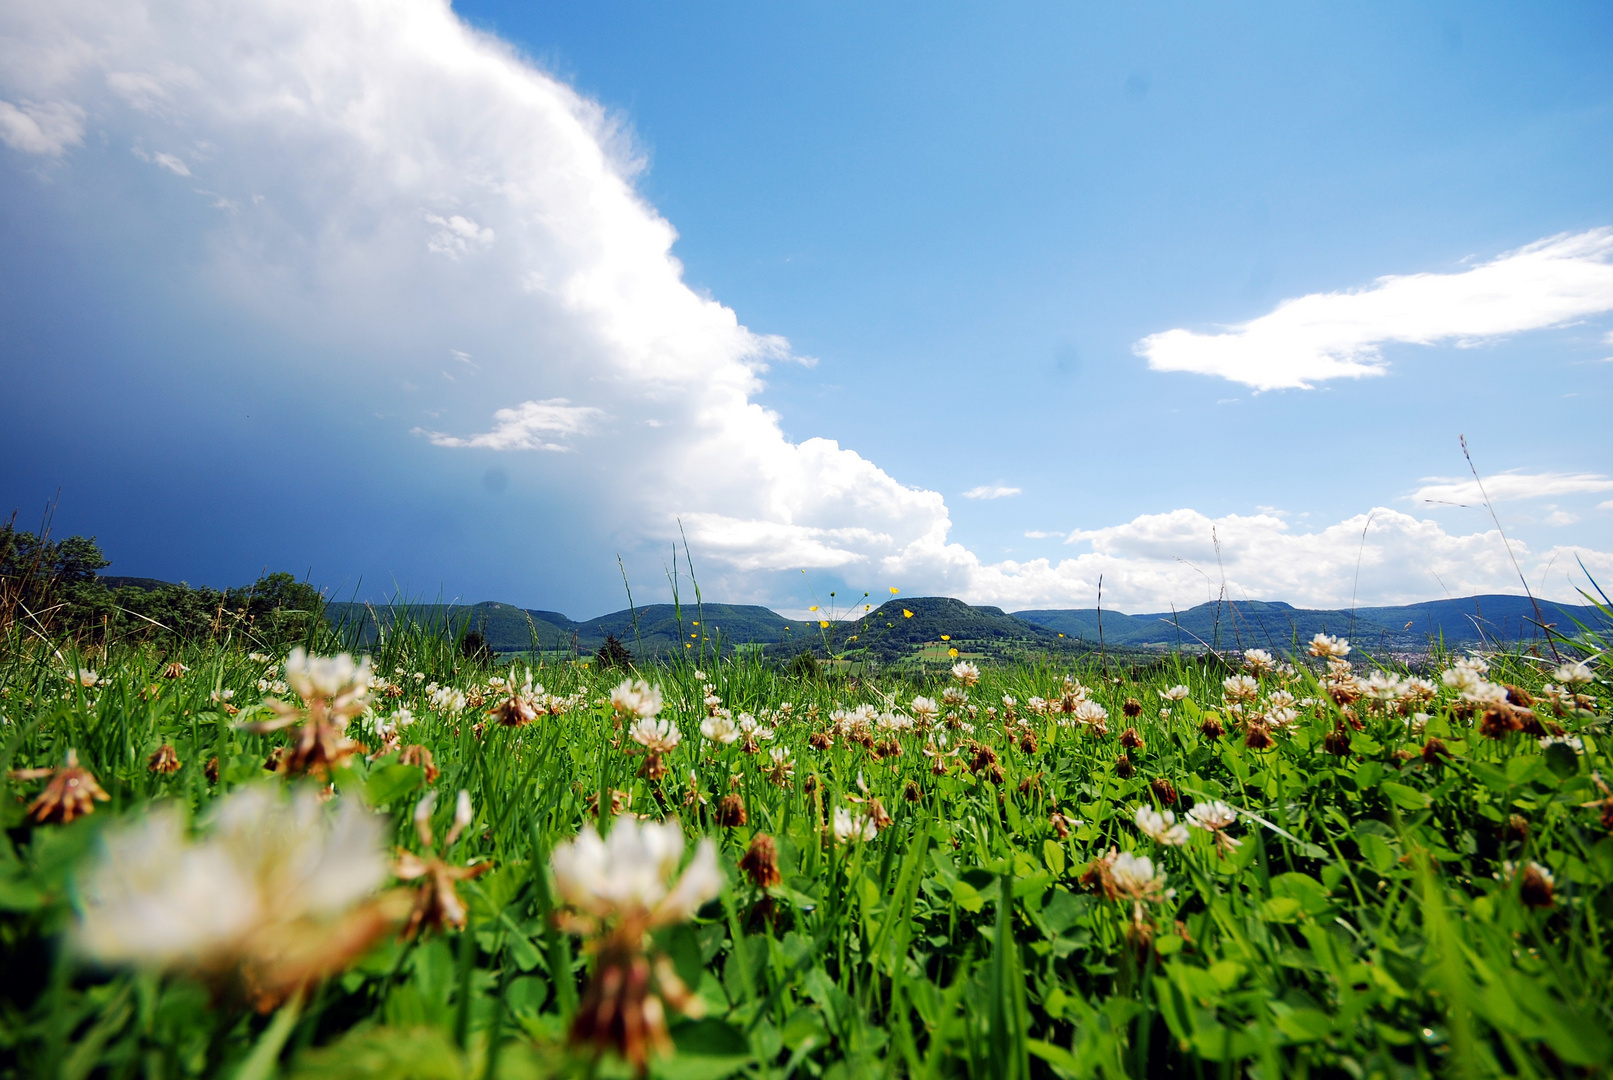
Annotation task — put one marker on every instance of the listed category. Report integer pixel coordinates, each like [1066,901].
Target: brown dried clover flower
[415,754]
[760,862]
[1164,790]
[1060,824]
[1132,740]
[1124,768]
[72,791]
[731,812]
[1337,741]
[1257,736]
[164,761]
[1211,727]
[436,901]
[821,740]
[1499,721]
[1132,708]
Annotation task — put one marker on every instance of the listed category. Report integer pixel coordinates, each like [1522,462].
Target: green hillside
[890,633]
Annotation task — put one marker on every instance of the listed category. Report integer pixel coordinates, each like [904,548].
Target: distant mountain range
[899,627]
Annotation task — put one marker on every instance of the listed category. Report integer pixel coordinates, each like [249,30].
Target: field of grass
[267,866]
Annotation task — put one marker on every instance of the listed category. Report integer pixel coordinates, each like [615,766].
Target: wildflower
[1164,791]
[278,895]
[517,703]
[619,889]
[1573,742]
[820,740]
[966,673]
[783,769]
[1433,750]
[658,737]
[635,697]
[1382,686]
[1131,740]
[1175,693]
[447,700]
[924,709]
[258,658]
[334,690]
[85,677]
[1239,688]
[1215,817]
[1124,768]
[719,729]
[72,791]
[848,828]
[1327,646]
[1210,727]
[1134,877]
[1573,673]
[437,904]
[1160,826]
[174,670]
[731,812]
[1060,824]
[1337,741]
[164,761]
[1256,735]
[1537,887]
[1027,741]
[1258,661]
[419,755]
[752,731]
[760,862]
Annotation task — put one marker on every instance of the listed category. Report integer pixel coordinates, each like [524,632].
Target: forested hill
[1278,626]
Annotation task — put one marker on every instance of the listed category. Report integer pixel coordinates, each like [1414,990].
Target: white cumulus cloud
[990,491]
[528,426]
[1340,334]
[1508,486]
[47,129]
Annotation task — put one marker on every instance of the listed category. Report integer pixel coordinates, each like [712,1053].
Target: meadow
[225,861]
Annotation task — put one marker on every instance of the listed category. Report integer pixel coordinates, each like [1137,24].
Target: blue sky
[805,279]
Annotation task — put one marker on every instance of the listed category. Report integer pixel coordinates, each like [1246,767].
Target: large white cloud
[1185,557]
[1508,486]
[382,177]
[1338,335]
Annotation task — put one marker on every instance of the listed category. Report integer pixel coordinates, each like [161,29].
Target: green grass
[1363,927]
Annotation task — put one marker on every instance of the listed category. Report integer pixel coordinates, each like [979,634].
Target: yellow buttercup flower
[952,653]
[893,590]
[906,614]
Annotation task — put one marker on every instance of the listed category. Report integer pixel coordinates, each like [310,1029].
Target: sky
[1020,304]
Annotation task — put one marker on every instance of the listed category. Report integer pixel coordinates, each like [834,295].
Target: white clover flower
[751,728]
[1281,699]
[924,709]
[1326,645]
[966,673]
[656,736]
[720,729]
[445,699]
[1417,723]
[1134,876]
[1175,693]
[1281,718]
[270,873]
[1090,712]
[1258,661]
[1573,673]
[1382,686]
[338,679]
[258,658]
[1414,689]
[635,697]
[85,677]
[1239,688]
[629,874]
[218,697]
[849,827]
[1161,827]
[1573,742]
[1212,816]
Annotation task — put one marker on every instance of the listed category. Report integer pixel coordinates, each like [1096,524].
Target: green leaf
[1407,798]
[1562,760]
[389,783]
[1280,909]
[1053,853]
[710,1037]
[1305,1025]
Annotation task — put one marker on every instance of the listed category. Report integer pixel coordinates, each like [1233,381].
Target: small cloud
[464,358]
[455,236]
[1608,505]
[47,129]
[1561,517]
[1507,486]
[166,161]
[1340,335]
[528,426]
[990,491]
[1040,534]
